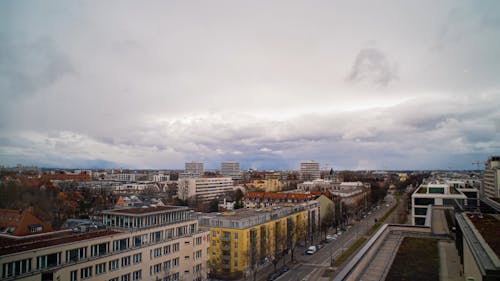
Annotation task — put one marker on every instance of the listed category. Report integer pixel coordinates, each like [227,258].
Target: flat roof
[142,210]
[489,227]
[10,245]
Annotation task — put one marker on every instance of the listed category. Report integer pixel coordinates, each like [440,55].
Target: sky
[154,84]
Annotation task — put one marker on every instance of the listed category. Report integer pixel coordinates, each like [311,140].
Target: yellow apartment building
[268,185]
[245,238]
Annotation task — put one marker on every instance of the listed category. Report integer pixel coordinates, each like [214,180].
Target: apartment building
[150,243]
[231,170]
[245,238]
[267,185]
[309,171]
[193,170]
[204,189]
[491,178]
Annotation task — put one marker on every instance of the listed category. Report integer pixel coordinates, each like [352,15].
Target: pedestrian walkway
[381,263]
[449,262]
[439,225]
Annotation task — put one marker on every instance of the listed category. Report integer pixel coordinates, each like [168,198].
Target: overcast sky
[154,84]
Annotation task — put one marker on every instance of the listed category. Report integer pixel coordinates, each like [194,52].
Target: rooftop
[489,228]
[144,210]
[10,245]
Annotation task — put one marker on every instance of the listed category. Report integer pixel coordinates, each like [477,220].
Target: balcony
[225,248]
[226,257]
[225,238]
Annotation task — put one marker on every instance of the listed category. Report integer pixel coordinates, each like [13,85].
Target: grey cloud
[372,65]
[26,68]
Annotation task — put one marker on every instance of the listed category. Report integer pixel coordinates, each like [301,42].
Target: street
[311,267]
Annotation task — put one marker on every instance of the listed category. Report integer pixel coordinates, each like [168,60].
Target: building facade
[244,239]
[204,189]
[441,193]
[491,179]
[231,170]
[194,169]
[309,171]
[151,243]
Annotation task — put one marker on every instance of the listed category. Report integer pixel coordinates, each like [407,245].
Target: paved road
[311,267]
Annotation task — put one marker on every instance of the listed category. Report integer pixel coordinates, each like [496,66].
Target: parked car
[330,237]
[311,250]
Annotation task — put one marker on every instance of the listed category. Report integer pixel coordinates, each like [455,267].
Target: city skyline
[269,85]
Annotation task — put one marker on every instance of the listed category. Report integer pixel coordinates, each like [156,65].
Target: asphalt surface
[311,267]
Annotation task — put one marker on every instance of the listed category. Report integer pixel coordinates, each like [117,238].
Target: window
[99,249]
[114,279]
[113,265]
[137,258]
[140,240]
[175,276]
[157,268]
[86,272]
[16,268]
[424,201]
[120,245]
[214,234]
[75,255]
[420,211]
[197,254]
[169,233]
[125,277]
[137,275]
[236,236]
[436,190]
[100,268]
[175,247]
[198,241]
[126,261]
[155,237]
[166,265]
[175,262]
[73,275]
[166,250]
[186,258]
[157,252]
[48,261]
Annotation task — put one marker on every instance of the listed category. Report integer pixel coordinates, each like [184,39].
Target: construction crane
[477,163]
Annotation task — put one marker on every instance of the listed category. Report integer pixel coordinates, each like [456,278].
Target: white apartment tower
[193,170]
[309,171]
[230,170]
[491,179]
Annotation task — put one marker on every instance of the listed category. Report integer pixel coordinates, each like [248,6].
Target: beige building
[152,243]
[231,170]
[491,180]
[204,189]
[309,171]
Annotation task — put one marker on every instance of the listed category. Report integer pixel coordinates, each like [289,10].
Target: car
[274,276]
[330,237]
[339,233]
[311,250]
[284,269]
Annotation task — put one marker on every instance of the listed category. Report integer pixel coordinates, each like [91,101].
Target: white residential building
[161,178]
[309,170]
[231,170]
[193,169]
[204,189]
